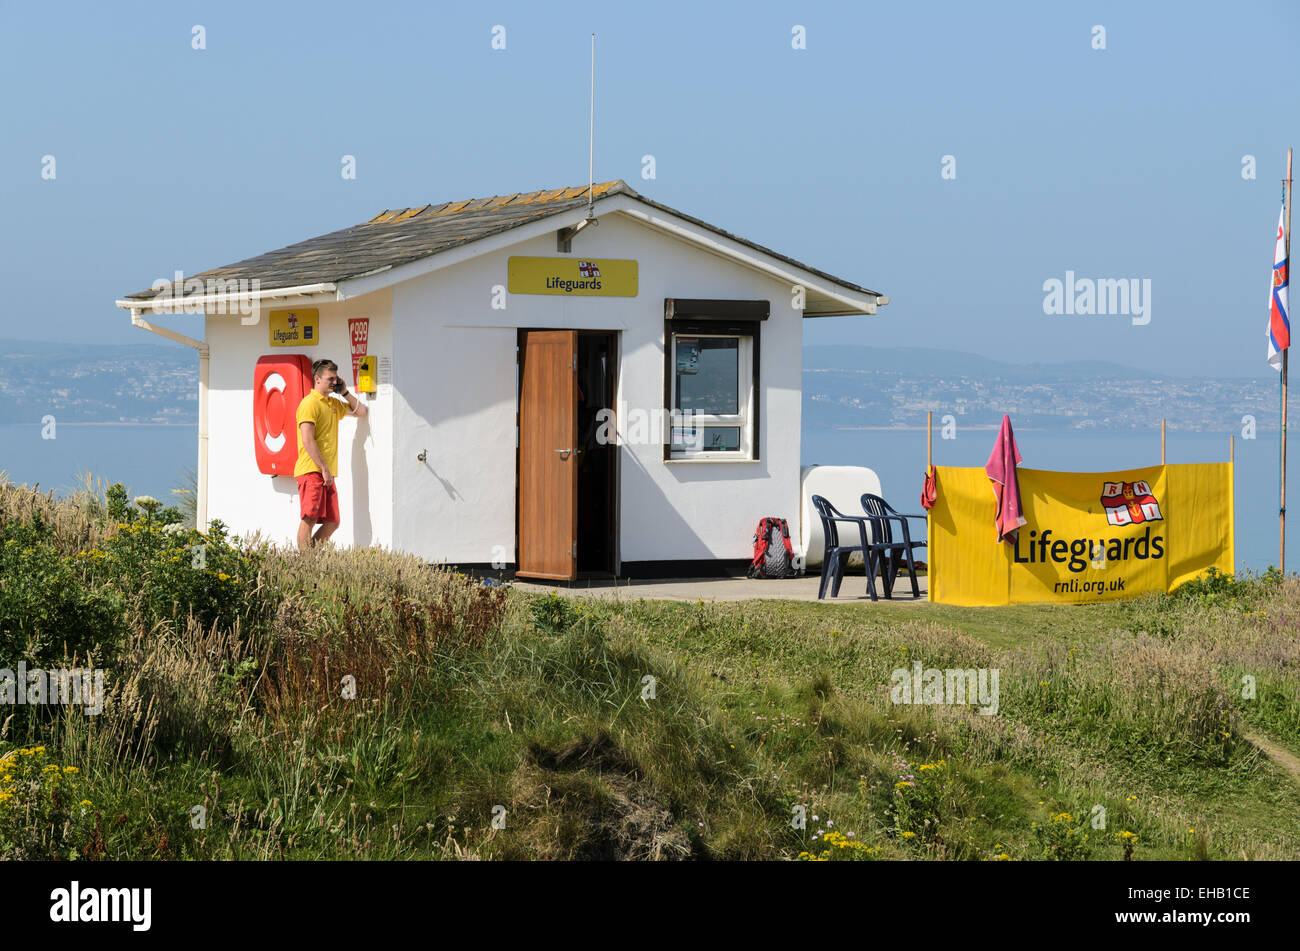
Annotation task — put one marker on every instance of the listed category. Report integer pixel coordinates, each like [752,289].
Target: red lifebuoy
[280,381]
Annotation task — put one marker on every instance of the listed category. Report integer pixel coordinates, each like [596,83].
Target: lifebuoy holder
[280,381]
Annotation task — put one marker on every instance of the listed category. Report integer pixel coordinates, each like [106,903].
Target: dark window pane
[721,438]
[708,375]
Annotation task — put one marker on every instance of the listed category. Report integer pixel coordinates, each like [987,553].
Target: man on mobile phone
[318,451]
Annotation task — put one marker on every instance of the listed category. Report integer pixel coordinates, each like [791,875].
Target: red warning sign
[359,334]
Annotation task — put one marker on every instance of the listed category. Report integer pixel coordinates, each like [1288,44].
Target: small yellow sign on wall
[576,277]
[295,328]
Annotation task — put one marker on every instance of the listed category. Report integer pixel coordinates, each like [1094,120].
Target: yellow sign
[295,328]
[576,277]
[1089,536]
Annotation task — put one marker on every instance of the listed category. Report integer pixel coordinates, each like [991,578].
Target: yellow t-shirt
[325,413]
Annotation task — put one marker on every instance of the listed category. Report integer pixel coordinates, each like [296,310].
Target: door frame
[611,397]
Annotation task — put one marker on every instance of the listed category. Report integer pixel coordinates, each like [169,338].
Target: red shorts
[316,499]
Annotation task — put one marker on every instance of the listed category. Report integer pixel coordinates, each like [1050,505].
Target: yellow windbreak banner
[1088,536]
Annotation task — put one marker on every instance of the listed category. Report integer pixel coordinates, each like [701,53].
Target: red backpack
[772,560]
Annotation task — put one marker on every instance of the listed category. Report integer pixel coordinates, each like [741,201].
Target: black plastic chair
[836,554]
[891,553]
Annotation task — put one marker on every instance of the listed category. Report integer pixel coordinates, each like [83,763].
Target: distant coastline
[844,389]
[920,429]
[104,423]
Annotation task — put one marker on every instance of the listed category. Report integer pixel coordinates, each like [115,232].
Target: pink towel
[1001,468]
[930,491]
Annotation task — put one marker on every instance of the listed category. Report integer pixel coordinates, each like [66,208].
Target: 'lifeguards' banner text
[575,277]
[1089,536]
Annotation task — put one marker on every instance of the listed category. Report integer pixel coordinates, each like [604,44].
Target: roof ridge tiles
[540,196]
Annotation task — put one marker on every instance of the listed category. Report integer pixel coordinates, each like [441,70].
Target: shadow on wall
[285,485]
[452,492]
[672,532]
[362,529]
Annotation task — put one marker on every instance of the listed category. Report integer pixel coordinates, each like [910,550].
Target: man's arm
[355,406]
[307,431]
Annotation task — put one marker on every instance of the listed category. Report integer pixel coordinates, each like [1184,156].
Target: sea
[153,459]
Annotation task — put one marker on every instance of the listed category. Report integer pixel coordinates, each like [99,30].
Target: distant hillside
[850,387]
[72,352]
[87,382]
[953,364]
[844,387]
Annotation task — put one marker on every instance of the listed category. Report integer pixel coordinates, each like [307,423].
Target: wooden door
[548,438]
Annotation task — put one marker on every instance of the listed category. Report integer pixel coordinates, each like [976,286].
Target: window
[711,380]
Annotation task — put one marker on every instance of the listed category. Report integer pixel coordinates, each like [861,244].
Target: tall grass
[363,704]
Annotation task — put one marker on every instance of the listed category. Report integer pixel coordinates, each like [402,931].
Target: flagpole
[1281,515]
[929,441]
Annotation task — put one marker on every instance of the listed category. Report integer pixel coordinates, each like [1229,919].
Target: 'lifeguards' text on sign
[575,277]
[295,328]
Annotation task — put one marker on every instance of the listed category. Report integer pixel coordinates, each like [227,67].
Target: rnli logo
[1130,503]
[293,321]
[588,269]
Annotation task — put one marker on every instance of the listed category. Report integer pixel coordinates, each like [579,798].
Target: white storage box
[843,487]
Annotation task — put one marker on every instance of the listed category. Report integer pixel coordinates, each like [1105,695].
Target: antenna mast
[591,134]
[564,237]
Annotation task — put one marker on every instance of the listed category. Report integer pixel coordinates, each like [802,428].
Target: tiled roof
[399,236]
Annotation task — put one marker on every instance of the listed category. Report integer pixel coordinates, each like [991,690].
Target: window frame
[700,321]
[744,401]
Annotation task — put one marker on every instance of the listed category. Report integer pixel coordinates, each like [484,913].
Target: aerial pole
[591,133]
[1281,514]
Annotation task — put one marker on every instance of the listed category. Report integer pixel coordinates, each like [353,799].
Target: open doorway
[566,467]
[597,359]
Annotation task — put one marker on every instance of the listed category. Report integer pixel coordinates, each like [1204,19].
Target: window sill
[734,460]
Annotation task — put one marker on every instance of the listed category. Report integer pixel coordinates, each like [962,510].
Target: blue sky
[1117,163]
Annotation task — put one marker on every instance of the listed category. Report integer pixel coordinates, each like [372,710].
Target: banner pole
[1162,442]
[929,441]
[1281,513]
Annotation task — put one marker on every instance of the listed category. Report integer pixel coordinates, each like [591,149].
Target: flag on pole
[1279,324]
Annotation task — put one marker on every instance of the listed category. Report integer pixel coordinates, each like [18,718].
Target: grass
[360,704]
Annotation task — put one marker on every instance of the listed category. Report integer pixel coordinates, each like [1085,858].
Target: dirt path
[1277,754]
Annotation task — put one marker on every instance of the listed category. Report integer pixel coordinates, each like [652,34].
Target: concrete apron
[853,589]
